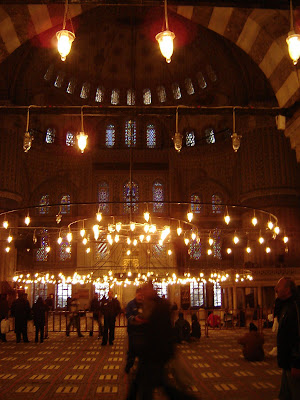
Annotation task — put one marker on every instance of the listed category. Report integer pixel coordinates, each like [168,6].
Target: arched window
[70,139]
[85,90]
[130,197]
[65,201]
[42,254]
[147,96]
[217,243]
[158,197]
[201,81]
[130,133]
[190,139]
[103,197]
[216,202]
[130,97]
[189,86]
[59,79]
[50,136]
[161,93]
[217,295]
[44,204]
[176,91]
[197,294]
[210,136]
[151,136]
[115,97]
[195,250]
[110,135]
[63,291]
[64,254]
[196,203]
[99,94]
[71,85]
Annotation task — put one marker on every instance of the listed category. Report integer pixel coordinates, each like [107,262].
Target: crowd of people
[153,335]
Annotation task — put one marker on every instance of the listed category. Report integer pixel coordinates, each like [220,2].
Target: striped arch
[260,33]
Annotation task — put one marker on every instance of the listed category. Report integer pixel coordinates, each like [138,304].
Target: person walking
[3,313]
[20,310]
[110,308]
[74,316]
[288,337]
[39,318]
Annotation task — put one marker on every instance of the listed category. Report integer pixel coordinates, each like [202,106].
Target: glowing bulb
[27,220]
[68,249]
[165,41]
[82,232]
[117,238]
[82,141]
[229,251]
[48,248]
[88,250]
[186,241]
[146,216]
[179,231]
[277,230]
[285,239]
[146,228]
[293,42]
[268,250]
[141,238]
[236,239]
[7,249]
[129,273]
[227,219]
[261,240]
[69,236]
[59,240]
[5,224]
[128,240]
[132,226]
[134,242]
[210,241]
[96,231]
[65,39]
[270,225]
[190,216]
[10,238]
[254,221]
[209,252]
[248,249]
[128,252]
[152,229]
[98,216]
[194,236]
[118,226]
[148,238]
[169,252]
[84,241]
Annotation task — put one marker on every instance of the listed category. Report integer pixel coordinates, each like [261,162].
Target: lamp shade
[293,42]
[65,39]
[177,139]
[82,141]
[165,41]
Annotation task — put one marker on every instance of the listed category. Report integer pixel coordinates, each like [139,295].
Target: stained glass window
[63,291]
[39,290]
[70,139]
[216,202]
[211,73]
[197,294]
[196,203]
[158,197]
[44,204]
[210,136]
[130,133]
[65,201]
[195,250]
[99,94]
[189,86]
[102,289]
[176,91]
[41,254]
[190,139]
[201,81]
[151,136]
[103,197]
[217,295]
[59,79]
[115,97]
[161,93]
[49,73]
[110,135]
[50,135]
[147,96]
[217,243]
[130,97]
[63,254]
[85,90]
[101,250]
[161,289]
[130,197]
[71,86]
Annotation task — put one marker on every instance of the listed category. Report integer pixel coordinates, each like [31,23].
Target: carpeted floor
[79,368]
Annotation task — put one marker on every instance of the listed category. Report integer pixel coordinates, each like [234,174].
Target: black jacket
[110,308]
[39,309]
[287,335]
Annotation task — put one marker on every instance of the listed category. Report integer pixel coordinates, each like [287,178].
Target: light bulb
[59,240]
[128,240]
[194,236]
[236,240]
[293,42]
[148,238]
[268,250]
[84,241]
[270,225]
[82,141]
[186,241]
[98,216]
[227,219]
[254,221]
[165,41]
[68,249]
[277,230]
[248,249]
[7,249]
[179,231]
[146,216]
[5,224]
[134,242]
[118,226]
[88,250]
[69,236]
[128,252]
[209,252]
[229,251]
[117,238]
[210,241]
[132,226]
[146,228]
[65,39]
[48,248]
[285,239]
[82,232]
[152,229]
[190,216]
[27,220]
[169,252]
[10,238]
[141,238]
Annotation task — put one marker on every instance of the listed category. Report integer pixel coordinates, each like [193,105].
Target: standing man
[287,337]
[95,309]
[74,316]
[135,328]
[20,310]
[110,308]
[39,310]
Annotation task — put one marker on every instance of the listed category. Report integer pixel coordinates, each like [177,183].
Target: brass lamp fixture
[293,39]
[28,138]
[177,139]
[82,137]
[165,38]
[65,38]
[236,138]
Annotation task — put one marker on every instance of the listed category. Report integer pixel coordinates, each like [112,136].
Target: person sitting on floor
[196,328]
[253,344]
[182,329]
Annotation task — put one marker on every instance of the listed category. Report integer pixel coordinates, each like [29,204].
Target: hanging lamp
[293,39]
[82,137]
[65,38]
[165,38]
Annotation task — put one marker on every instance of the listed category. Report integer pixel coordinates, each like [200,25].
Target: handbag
[4,326]
[295,358]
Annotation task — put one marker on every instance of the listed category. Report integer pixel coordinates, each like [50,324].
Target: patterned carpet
[79,368]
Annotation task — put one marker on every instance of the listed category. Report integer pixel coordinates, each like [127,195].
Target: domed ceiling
[115,53]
